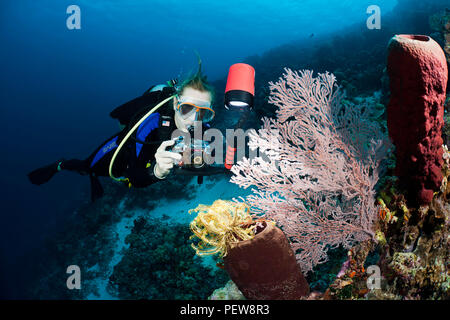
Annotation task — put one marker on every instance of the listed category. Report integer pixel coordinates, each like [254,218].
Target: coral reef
[413,250]
[411,247]
[90,239]
[324,274]
[446,128]
[418,79]
[322,164]
[440,22]
[229,292]
[256,253]
[355,55]
[86,240]
[412,235]
[351,281]
[160,264]
[415,259]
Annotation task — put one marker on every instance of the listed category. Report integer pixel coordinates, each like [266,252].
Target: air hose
[125,139]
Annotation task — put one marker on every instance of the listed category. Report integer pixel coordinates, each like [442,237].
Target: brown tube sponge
[265,268]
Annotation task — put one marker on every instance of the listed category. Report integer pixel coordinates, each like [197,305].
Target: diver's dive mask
[187,106]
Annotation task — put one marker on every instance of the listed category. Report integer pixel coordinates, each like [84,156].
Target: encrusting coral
[160,264]
[413,249]
[229,292]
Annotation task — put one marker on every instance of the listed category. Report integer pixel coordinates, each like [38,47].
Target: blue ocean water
[57,86]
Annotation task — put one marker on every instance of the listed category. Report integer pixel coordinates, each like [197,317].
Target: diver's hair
[197,81]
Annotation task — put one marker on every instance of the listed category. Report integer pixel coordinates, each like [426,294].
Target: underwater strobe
[240,89]
[239,95]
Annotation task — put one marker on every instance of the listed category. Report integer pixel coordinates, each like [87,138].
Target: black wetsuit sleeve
[142,177]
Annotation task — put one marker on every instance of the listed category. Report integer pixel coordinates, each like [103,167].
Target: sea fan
[319,165]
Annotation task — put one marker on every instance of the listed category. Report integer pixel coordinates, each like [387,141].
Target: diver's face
[184,123]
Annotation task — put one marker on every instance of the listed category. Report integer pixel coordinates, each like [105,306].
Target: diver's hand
[165,159]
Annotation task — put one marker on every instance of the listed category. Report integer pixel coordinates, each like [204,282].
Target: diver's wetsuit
[135,160]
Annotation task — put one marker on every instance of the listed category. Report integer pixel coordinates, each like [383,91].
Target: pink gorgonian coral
[319,163]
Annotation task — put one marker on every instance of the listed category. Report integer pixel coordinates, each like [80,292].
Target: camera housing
[195,153]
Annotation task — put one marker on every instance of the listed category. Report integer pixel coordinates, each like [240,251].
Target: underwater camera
[195,153]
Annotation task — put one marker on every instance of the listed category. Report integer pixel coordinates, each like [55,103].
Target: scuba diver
[143,142]
[144,151]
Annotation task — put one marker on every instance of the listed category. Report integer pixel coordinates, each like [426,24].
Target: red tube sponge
[418,75]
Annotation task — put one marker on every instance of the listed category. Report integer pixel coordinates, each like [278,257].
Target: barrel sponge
[418,75]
